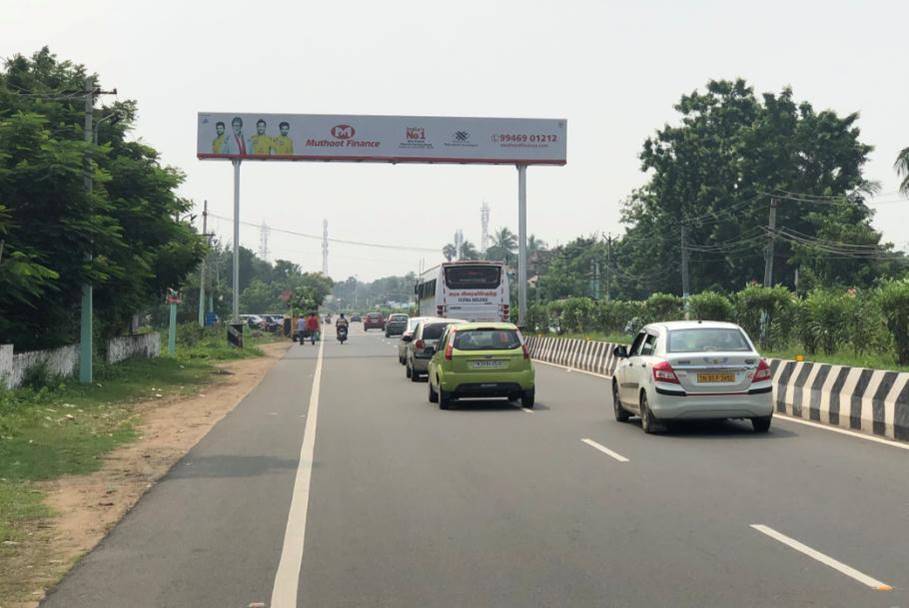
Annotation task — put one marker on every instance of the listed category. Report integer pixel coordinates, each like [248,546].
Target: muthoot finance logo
[344,136]
[343,131]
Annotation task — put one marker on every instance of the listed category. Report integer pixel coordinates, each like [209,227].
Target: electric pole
[202,272]
[325,247]
[686,280]
[768,258]
[608,262]
[86,349]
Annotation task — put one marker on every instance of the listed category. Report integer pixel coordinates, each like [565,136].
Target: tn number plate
[704,378]
[494,364]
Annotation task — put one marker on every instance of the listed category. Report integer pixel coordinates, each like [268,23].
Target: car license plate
[493,364]
[705,378]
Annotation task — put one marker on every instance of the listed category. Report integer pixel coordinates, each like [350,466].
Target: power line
[331,240]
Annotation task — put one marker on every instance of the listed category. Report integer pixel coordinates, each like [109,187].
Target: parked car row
[463,360]
[266,322]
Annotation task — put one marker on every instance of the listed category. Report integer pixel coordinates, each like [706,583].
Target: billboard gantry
[394,139]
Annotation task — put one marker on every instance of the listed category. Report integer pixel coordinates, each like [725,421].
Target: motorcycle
[342,334]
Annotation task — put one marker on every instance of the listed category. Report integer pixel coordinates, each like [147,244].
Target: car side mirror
[620,351]
[406,338]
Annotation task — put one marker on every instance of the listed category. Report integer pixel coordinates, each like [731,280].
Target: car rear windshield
[397,318]
[707,339]
[472,277]
[487,339]
[374,315]
[433,331]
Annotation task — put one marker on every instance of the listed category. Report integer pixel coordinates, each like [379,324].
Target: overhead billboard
[394,139]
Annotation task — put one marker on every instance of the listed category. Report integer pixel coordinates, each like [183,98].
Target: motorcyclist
[342,322]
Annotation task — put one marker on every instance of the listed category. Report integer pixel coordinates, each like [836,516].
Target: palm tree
[469,251]
[449,251]
[902,169]
[534,245]
[505,239]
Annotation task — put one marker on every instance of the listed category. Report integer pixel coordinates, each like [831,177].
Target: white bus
[469,290]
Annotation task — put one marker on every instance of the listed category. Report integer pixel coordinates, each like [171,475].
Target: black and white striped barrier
[869,400]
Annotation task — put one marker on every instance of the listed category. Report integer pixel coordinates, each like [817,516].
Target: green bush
[823,318]
[663,307]
[893,298]
[710,306]
[865,327]
[578,315]
[772,309]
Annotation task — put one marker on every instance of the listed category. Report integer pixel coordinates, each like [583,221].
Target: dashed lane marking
[605,450]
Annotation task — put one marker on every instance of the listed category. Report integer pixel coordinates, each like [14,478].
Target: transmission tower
[325,247]
[264,231]
[484,221]
[458,242]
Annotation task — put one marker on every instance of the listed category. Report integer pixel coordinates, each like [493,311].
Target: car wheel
[433,395]
[648,422]
[408,372]
[621,414]
[444,400]
[761,424]
[527,399]
[414,375]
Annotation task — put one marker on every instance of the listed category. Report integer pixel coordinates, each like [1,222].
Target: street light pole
[85,325]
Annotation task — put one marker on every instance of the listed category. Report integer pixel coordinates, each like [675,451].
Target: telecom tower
[458,242]
[264,231]
[325,247]
[484,220]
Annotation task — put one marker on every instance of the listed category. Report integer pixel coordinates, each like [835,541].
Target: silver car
[412,323]
[422,343]
[683,370]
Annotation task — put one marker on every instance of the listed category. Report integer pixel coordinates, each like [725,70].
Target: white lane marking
[566,368]
[284,594]
[824,559]
[817,425]
[605,450]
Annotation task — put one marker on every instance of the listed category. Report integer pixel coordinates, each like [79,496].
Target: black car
[395,324]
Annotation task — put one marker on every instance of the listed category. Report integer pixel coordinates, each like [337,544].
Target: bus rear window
[472,277]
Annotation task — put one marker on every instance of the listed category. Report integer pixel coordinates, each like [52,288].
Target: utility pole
[608,262]
[768,258]
[325,247]
[202,272]
[686,284]
[86,348]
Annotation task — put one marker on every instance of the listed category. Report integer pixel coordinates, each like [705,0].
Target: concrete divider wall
[870,400]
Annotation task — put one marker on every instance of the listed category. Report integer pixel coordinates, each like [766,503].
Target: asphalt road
[491,505]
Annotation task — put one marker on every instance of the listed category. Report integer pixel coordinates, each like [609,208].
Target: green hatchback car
[481,360]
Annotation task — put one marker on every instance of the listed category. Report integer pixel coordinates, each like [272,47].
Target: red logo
[416,133]
[343,131]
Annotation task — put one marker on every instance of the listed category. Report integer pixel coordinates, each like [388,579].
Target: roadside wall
[870,400]
[64,361]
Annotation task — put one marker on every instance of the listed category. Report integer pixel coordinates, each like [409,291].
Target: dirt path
[88,506]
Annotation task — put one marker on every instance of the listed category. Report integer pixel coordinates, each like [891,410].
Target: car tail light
[419,344]
[663,372]
[526,352]
[762,372]
[448,350]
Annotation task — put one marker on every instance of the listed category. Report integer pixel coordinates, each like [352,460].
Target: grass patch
[20,506]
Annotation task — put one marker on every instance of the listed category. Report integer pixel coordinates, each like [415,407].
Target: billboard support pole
[522,245]
[236,274]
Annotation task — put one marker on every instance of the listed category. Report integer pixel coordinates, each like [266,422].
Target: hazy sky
[612,69]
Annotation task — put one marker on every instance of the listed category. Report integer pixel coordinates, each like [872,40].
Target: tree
[123,237]
[535,245]
[902,169]
[715,174]
[469,251]
[449,251]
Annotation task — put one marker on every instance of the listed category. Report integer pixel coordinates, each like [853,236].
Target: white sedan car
[684,370]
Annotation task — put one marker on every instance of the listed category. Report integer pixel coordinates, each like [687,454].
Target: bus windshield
[472,277]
